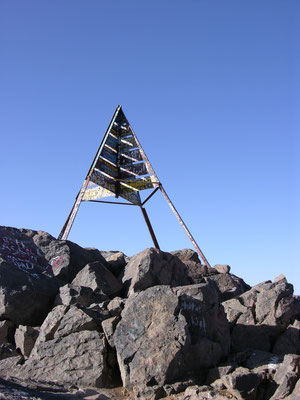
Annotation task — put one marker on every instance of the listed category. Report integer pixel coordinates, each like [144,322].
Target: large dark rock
[25,338]
[242,383]
[81,295]
[116,261]
[153,267]
[260,315]
[25,296]
[29,263]
[39,252]
[98,278]
[165,334]
[289,341]
[78,358]
[195,270]
[228,284]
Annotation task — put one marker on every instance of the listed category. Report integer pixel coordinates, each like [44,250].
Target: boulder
[289,341]
[195,270]
[79,357]
[62,321]
[7,350]
[260,315]
[25,337]
[39,252]
[97,277]
[109,327]
[116,261]
[229,285]
[7,329]
[153,267]
[25,296]
[286,376]
[81,295]
[222,268]
[242,383]
[165,334]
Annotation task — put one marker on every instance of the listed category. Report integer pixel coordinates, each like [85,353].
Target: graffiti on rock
[22,255]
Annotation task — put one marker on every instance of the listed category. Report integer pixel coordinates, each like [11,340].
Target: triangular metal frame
[121,168]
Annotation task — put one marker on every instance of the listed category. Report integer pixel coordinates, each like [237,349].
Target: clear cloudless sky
[211,89]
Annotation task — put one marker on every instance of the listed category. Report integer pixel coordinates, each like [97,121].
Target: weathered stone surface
[77,358]
[7,350]
[97,277]
[25,337]
[222,268]
[286,376]
[218,372]
[67,258]
[289,341]
[242,383]
[82,295]
[259,316]
[7,329]
[115,306]
[116,261]
[25,296]
[27,285]
[195,270]
[75,320]
[229,285]
[109,327]
[296,392]
[202,393]
[154,267]
[167,333]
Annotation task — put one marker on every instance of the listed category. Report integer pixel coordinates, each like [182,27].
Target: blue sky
[211,89]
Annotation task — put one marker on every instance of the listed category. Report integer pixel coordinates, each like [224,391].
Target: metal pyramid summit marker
[121,169]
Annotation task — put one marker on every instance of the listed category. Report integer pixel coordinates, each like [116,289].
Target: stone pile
[82,321]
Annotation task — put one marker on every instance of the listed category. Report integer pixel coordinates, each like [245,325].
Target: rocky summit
[80,323]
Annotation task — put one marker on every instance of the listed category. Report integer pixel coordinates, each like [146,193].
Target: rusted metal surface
[155,242]
[150,195]
[184,226]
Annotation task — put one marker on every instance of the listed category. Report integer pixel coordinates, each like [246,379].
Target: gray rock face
[7,329]
[195,270]
[116,261]
[77,358]
[153,267]
[84,296]
[166,333]
[242,383]
[229,285]
[97,277]
[286,376]
[289,341]
[25,296]
[25,337]
[260,315]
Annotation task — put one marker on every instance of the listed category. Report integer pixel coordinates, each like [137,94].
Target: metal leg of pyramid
[184,226]
[150,228]
[69,222]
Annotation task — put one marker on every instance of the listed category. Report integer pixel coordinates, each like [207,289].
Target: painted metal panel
[103,181]
[97,193]
[127,157]
[139,184]
[133,170]
[107,168]
[111,141]
[130,195]
[128,143]
[109,154]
